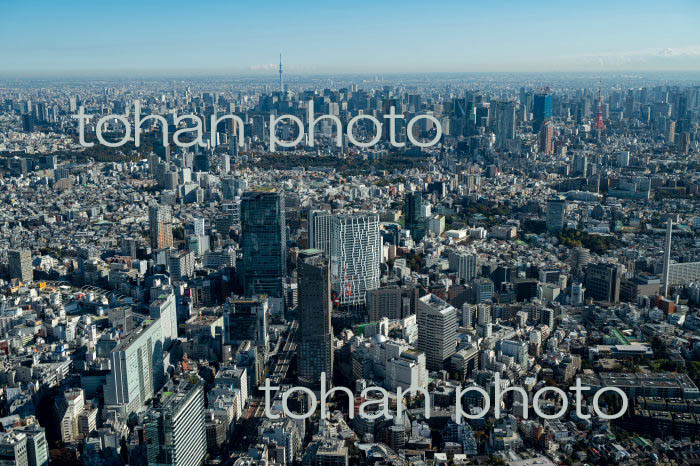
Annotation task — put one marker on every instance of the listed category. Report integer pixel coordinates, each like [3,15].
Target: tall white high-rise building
[69,408]
[437,330]
[175,427]
[164,307]
[320,230]
[356,249]
[484,315]
[667,257]
[464,264]
[181,264]
[515,349]
[13,449]
[137,368]
[160,222]
[37,446]
[198,226]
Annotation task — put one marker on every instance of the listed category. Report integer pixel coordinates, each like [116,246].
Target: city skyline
[421,235]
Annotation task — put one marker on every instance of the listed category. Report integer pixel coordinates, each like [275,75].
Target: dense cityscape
[148,292]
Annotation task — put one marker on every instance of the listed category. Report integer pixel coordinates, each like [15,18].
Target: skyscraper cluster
[149,295]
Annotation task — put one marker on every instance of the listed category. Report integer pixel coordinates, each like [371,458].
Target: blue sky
[349,36]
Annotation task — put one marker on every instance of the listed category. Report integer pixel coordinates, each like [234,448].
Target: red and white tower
[599,125]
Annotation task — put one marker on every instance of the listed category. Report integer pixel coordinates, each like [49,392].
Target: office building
[393,302]
[462,435]
[384,302]
[37,445]
[515,349]
[667,258]
[27,123]
[355,256]
[229,218]
[198,225]
[541,111]
[164,307]
[87,421]
[174,426]
[580,257]
[136,368]
[683,143]
[13,449]
[577,294]
[464,264]
[484,314]
[316,348]
[263,242]
[245,319]
[556,213]
[233,147]
[580,165]
[198,245]
[482,289]
[219,259]
[160,222]
[683,273]
[201,162]
[326,452]
[181,265]
[320,230]
[229,188]
[437,330]
[413,213]
[465,362]
[128,247]
[69,410]
[670,131]
[505,123]
[603,282]
[547,138]
[20,265]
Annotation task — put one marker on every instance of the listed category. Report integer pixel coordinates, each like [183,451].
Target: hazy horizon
[317,38]
[369,76]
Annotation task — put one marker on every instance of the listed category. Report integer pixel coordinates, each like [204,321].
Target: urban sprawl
[509,238]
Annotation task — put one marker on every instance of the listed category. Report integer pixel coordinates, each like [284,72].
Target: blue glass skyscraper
[541,111]
[263,242]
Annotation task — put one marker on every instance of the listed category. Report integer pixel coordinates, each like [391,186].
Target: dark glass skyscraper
[264,242]
[603,282]
[315,351]
[201,162]
[541,111]
[413,215]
